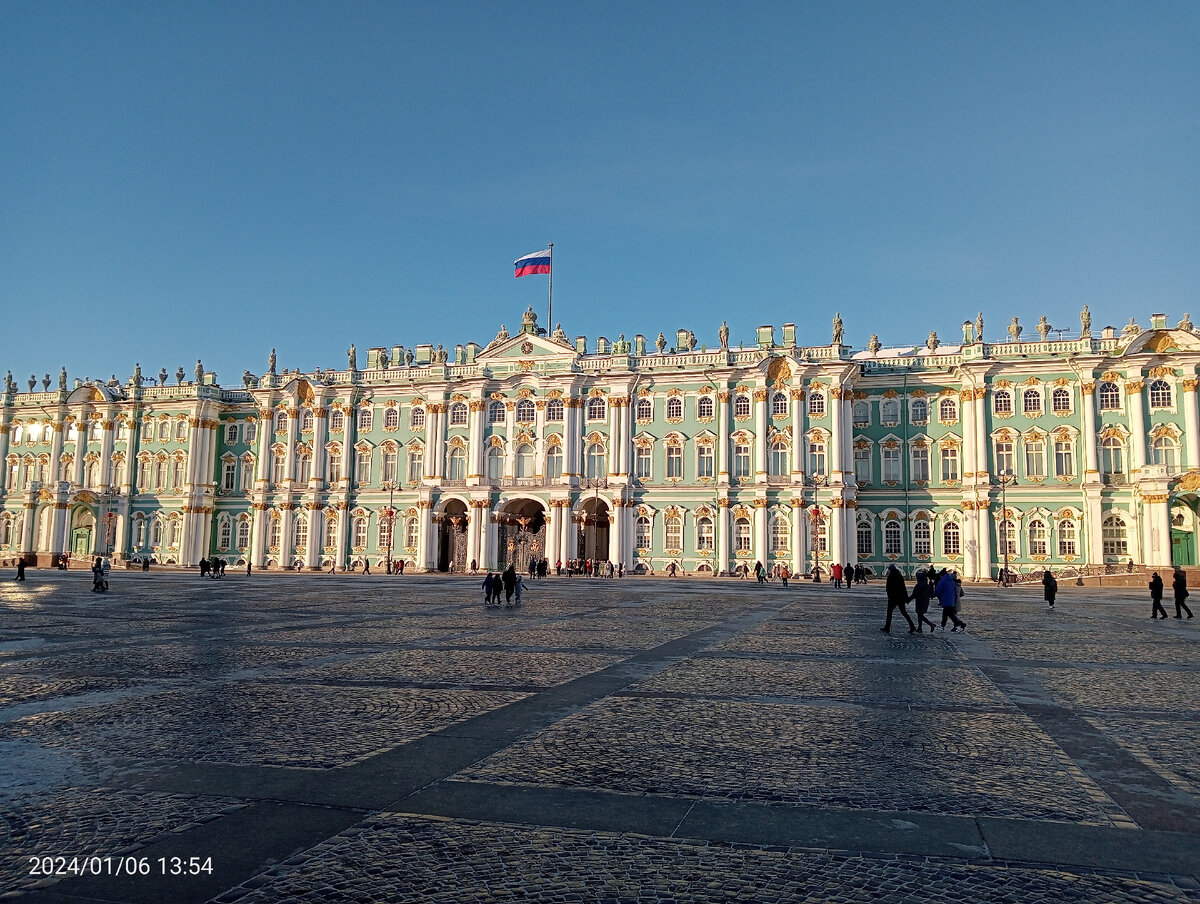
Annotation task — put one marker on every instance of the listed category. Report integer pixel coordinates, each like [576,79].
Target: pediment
[526,346]
[1163,342]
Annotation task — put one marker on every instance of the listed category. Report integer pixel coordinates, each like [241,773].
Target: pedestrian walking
[509,580]
[922,591]
[848,575]
[21,568]
[1049,587]
[488,584]
[366,566]
[784,575]
[897,598]
[837,576]
[105,568]
[1179,585]
[97,576]
[1156,594]
[947,592]
[517,588]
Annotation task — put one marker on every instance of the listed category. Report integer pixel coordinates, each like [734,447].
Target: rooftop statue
[1043,328]
[723,334]
[933,342]
[979,327]
[62,379]
[383,359]
[838,332]
[661,343]
[199,372]
[271,362]
[1085,323]
[352,357]
[560,334]
[409,357]
[1185,323]
[874,345]
[1131,329]
[1014,330]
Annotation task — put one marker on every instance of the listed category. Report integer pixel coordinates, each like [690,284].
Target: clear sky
[211,179]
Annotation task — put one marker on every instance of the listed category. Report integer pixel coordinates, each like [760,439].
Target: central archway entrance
[593,529]
[521,533]
[452,537]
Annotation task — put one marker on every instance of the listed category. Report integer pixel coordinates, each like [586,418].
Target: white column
[1091,468]
[553,532]
[760,436]
[616,544]
[539,447]
[760,531]
[567,548]
[1156,519]
[723,557]
[426,548]
[1191,429]
[836,450]
[799,536]
[835,531]
[343,528]
[106,451]
[266,431]
[56,449]
[1137,422]
[797,435]
[287,526]
[316,535]
[432,436]
[981,439]
[475,440]
[970,541]
[1093,528]
[970,442]
[723,437]
[319,457]
[81,439]
[289,469]
[573,412]
[27,526]
[614,437]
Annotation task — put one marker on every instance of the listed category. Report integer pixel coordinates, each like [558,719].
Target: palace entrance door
[521,533]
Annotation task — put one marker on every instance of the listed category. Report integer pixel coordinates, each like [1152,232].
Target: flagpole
[550,299]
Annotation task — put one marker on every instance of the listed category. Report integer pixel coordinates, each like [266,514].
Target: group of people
[212,568]
[507,582]
[1179,590]
[849,574]
[944,586]
[100,569]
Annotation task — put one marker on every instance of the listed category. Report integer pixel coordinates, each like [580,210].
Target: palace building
[1070,453]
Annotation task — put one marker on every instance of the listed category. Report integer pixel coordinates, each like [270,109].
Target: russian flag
[539,262]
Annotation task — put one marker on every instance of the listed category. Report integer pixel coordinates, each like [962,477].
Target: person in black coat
[1050,587]
[897,597]
[1179,585]
[1156,592]
[509,580]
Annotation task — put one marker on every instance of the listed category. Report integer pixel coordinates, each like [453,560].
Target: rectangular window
[741,460]
[362,468]
[949,463]
[674,462]
[891,464]
[1035,460]
[862,465]
[641,462]
[1005,460]
[230,476]
[1064,459]
[704,461]
[920,464]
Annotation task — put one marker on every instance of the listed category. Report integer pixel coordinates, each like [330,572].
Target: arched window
[891,538]
[1060,401]
[947,410]
[181,428]
[458,414]
[173,532]
[1031,402]
[243,535]
[704,534]
[554,410]
[384,540]
[410,533]
[865,538]
[251,432]
[779,404]
[1110,396]
[281,420]
[781,534]
[673,532]
[861,413]
[337,420]
[224,534]
[456,463]
[89,473]
[156,532]
[416,418]
[366,418]
[922,543]
[1165,451]
[1112,531]
[231,435]
[596,409]
[300,536]
[306,421]
[777,462]
[331,523]
[526,411]
[495,463]
[741,534]
[704,407]
[1002,402]
[1160,394]
[741,405]
[816,404]
[554,462]
[1008,538]
[524,460]
[1112,455]
[273,532]
[139,533]
[391,417]
[645,410]
[360,532]
[675,408]
[642,532]
[496,413]
[1038,545]
[1067,538]
[164,430]
[594,465]
[951,539]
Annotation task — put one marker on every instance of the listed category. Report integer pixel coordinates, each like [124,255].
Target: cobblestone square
[347,738]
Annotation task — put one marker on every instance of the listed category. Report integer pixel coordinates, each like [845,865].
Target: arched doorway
[1183,530]
[83,527]
[452,537]
[593,529]
[521,533]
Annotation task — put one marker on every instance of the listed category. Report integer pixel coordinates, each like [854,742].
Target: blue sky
[183,180]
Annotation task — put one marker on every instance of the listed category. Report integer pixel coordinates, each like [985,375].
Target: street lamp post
[1006,477]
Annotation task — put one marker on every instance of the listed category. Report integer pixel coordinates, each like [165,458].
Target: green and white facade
[783,453]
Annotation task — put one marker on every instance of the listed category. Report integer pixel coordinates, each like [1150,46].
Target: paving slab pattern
[349,738]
